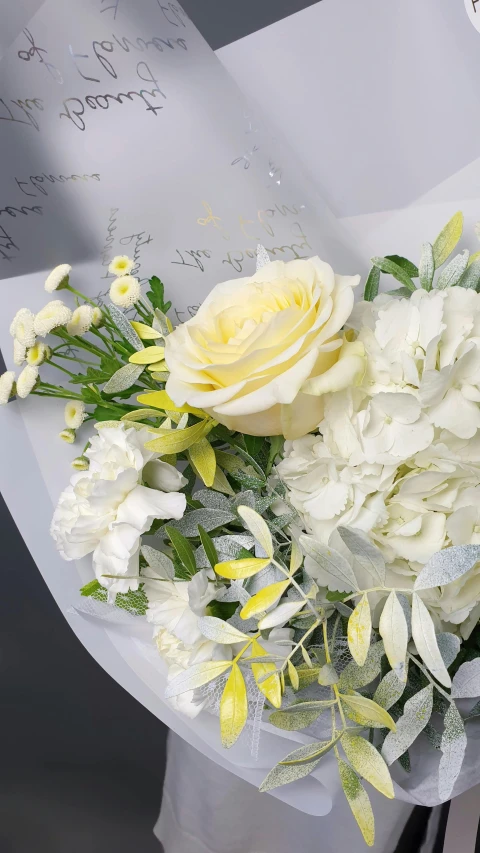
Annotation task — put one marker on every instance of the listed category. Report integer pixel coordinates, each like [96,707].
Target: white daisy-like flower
[53,315]
[22,327]
[27,380]
[58,278]
[125,291]
[81,320]
[67,435]
[80,463]
[39,353]
[19,352]
[74,413]
[7,382]
[97,317]
[121,265]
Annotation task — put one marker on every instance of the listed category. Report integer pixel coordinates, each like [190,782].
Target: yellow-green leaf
[264,599]
[233,707]
[365,712]
[258,528]
[360,630]
[180,439]
[448,239]
[270,687]
[148,355]
[141,414]
[311,751]
[229,462]
[220,482]
[367,761]
[293,675]
[296,557]
[144,332]
[157,366]
[238,569]
[358,801]
[203,457]
[473,258]
[196,676]
[161,400]
[393,630]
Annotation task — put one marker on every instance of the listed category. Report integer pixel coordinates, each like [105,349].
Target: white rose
[105,509]
[262,350]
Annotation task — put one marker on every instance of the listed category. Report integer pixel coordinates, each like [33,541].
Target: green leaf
[276,447]
[124,378]
[358,801]
[208,546]
[299,716]
[426,269]
[453,746]
[447,239]
[390,267]
[183,548]
[178,440]
[156,295]
[327,675]
[282,775]
[158,561]
[371,285]
[366,712]
[354,676]
[471,277]
[389,690]
[247,480]
[90,588]
[310,751]
[405,264]
[453,272]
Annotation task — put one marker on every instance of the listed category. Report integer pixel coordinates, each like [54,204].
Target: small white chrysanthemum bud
[80,321]
[58,278]
[74,413]
[53,315]
[67,435]
[97,318]
[81,463]
[121,265]
[125,291]
[27,380]
[7,386]
[21,327]
[39,353]
[19,352]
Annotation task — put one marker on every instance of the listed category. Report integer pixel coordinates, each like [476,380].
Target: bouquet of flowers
[287,488]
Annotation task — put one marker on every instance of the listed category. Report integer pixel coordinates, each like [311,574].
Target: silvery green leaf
[416,714]
[299,716]
[344,609]
[424,637]
[400,293]
[246,498]
[453,745]
[212,500]
[328,675]
[389,690]
[234,592]
[466,681]
[159,561]
[124,378]
[371,285]
[367,555]
[388,266]
[220,631]
[426,269]
[209,519]
[160,322]
[393,629]
[449,645]
[447,566]
[124,327]
[196,676]
[471,276]
[280,615]
[475,712]
[283,774]
[354,676]
[407,611]
[263,257]
[329,560]
[448,238]
[432,735]
[230,544]
[453,271]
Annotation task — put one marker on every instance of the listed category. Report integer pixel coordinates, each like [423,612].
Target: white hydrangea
[81,320]
[54,314]
[7,382]
[58,278]
[22,327]
[125,291]
[27,380]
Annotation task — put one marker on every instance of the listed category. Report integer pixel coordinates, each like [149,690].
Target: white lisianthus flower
[19,352]
[176,606]
[121,265]
[125,291]
[97,317]
[106,509]
[261,351]
[27,380]
[22,327]
[58,278]
[37,354]
[68,435]
[81,320]
[7,386]
[54,314]
[74,413]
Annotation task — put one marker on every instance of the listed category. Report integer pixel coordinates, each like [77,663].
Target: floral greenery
[362,667]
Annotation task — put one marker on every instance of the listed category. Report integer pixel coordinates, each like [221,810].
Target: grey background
[82,762]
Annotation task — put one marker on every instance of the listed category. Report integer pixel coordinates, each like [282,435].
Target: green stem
[72,358]
[63,369]
[301,642]
[334,686]
[378,589]
[81,295]
[66,396]
[297,587]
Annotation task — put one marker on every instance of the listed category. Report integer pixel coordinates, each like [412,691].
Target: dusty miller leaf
[159,561]
[354,676]
[394,631]
[367,555]
[453,746]
[466,682]
[389,690]
[219,631]
[426,269]
[209,519]
[365,759]
[359,631]
[123,378]
[358,801]
[329,560]
[423,632]
[453,271]
[124,327]
[416,714]
[447,565]
[449,646]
